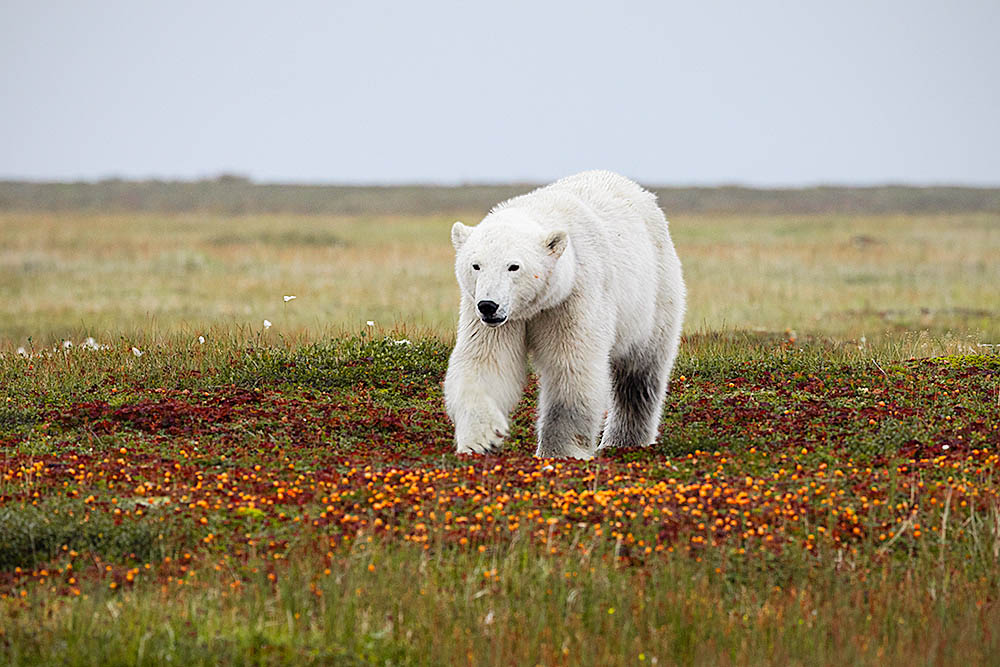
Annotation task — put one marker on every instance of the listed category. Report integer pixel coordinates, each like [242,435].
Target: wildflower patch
[322,449]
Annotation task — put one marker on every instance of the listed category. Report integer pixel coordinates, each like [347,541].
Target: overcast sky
[765,93]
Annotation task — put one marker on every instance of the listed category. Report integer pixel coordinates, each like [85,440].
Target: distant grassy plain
[65,276]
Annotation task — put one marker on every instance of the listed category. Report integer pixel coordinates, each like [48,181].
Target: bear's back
[603,187]
[598,188]
[612,197]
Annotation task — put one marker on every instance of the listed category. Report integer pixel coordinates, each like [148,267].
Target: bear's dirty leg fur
[573,395]
[638,383]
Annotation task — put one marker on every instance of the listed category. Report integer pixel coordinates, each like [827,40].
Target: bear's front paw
[479,438]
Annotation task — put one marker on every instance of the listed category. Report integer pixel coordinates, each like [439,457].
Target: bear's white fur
[582,276]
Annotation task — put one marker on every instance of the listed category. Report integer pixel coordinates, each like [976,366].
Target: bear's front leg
[486,373]
[574,389]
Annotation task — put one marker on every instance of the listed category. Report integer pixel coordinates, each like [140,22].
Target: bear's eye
[513,267]
[475,267]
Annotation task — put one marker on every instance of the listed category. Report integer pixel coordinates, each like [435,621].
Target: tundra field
[194,487]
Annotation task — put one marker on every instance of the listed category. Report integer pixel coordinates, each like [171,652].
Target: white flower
[945,447]
[90,344]
[371,323]
[402,341]
[289,298]
[267,324]
[23,352]
[201,340]
[137,352]
[66,344]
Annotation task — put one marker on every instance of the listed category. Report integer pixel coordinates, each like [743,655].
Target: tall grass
[858,279]
[378,604]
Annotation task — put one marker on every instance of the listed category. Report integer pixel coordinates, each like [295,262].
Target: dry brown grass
[845,277]
[73,275]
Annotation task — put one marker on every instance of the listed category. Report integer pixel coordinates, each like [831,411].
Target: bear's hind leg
[638,385]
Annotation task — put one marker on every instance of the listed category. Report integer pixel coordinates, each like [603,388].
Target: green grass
[515,606]
[824,489]
[248,501]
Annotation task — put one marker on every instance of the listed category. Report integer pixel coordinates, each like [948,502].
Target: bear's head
[510,268]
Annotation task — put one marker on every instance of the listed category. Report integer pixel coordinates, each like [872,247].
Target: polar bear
[582,277]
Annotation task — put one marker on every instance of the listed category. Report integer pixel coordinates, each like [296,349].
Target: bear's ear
[459,233]
[555,243]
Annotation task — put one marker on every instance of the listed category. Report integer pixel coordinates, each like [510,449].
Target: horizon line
[235,177]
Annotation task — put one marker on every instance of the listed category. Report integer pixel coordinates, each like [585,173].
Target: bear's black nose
[487,308]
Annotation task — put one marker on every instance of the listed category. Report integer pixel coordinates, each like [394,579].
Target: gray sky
[432,91]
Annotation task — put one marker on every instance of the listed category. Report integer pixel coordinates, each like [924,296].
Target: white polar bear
[582,276]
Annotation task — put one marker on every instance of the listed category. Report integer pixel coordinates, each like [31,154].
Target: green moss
[984,361]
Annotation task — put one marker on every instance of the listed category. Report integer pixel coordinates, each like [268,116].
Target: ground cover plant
[243,502]
[183,482]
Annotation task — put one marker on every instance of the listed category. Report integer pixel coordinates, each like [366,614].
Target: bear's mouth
[493,321]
